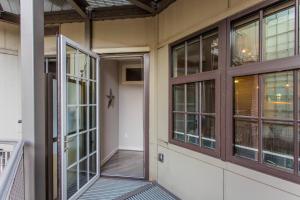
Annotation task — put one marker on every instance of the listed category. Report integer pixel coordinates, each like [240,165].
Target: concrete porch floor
[124,189]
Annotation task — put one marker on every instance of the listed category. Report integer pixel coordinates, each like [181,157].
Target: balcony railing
[12,183]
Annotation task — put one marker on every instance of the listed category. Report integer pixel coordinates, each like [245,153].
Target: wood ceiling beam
[9,17]
[143,5]
[119,12]
[163,4]
[80,7]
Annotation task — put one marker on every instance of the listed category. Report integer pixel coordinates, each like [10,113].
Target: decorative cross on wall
[111,98]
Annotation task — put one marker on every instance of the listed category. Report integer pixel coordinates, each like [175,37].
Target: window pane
[93,117]
[279,34]
[72,181]
[245,43]
[193,58]
[178,98]
[278,95]
[83,92]
[83,60]
[83,175]
[71,91]
[71,63]
[93,141]
[179,61]
[192,129]
[246,95]
[92,166]
[208,96]
[278,145]
[179,126]
[83,119]
[92,92]
[210,52]
[93,63]
[82,145]
[72,150]
[192,97]
[72,120]
[246,139]
[208,138]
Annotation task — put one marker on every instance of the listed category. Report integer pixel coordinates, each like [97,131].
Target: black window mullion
[200,112]
[201,53]
[261,38]
[185,113]
[296,118]
[186,58]
[260,114]
[297,28]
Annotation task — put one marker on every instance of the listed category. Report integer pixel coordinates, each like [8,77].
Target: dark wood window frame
[199,77]
[224,76]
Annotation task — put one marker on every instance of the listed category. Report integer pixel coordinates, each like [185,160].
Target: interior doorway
[124,121]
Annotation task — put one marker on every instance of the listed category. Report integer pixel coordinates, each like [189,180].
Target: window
[193,85]
[275,39]
[276,119]
[199,54]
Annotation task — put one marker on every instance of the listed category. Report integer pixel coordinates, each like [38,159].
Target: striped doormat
[123,189]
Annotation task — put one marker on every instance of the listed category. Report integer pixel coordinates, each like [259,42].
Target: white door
[78,117]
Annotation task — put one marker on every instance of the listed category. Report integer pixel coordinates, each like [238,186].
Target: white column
[33,98]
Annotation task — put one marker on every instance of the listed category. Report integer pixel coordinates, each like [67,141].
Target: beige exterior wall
[188,174]
[191,175]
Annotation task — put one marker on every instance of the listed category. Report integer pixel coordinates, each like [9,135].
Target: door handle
[66,142]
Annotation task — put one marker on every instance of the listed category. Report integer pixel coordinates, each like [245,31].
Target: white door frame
[63,42]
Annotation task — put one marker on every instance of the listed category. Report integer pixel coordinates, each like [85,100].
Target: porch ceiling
[65,11]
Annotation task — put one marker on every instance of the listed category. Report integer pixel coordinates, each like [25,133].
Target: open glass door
[78,117]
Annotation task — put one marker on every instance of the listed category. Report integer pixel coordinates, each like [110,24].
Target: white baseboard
[108,157]
[128,148]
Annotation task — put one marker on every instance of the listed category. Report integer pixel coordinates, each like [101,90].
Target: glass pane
[278,95]
[245,45]
[192,97]
[246,139]
[92,166]
[82,145]
[178,98]
[71,91]
[83,60]
[193,57]
[72,120]
[93,117]
[179,126]
[72,150]
[278,145]
[210,52]
[83,119]
[179,61]
[279,35]
[208,96]
[92,68]
[71,61]
[208,138]
[83,91]
[134,74]
[246,95]
[192,129]
[83,173]
[71,181]
[93,93]
[93,141]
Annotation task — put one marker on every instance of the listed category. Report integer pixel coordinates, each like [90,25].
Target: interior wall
[109,126]
[188,174]
[131,98]
[10,83]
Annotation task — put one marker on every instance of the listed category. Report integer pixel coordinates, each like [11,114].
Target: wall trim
[122,50]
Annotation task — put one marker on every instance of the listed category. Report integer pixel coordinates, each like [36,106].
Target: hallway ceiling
[64,11]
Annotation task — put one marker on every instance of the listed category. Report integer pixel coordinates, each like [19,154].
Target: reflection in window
[195,124]
[278,145]
[276,121]
[246,138]
[278,95]
[193,57]
[210,51]
[279,35]
[178,98]
[179,61]
[246,95]
[245,44]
